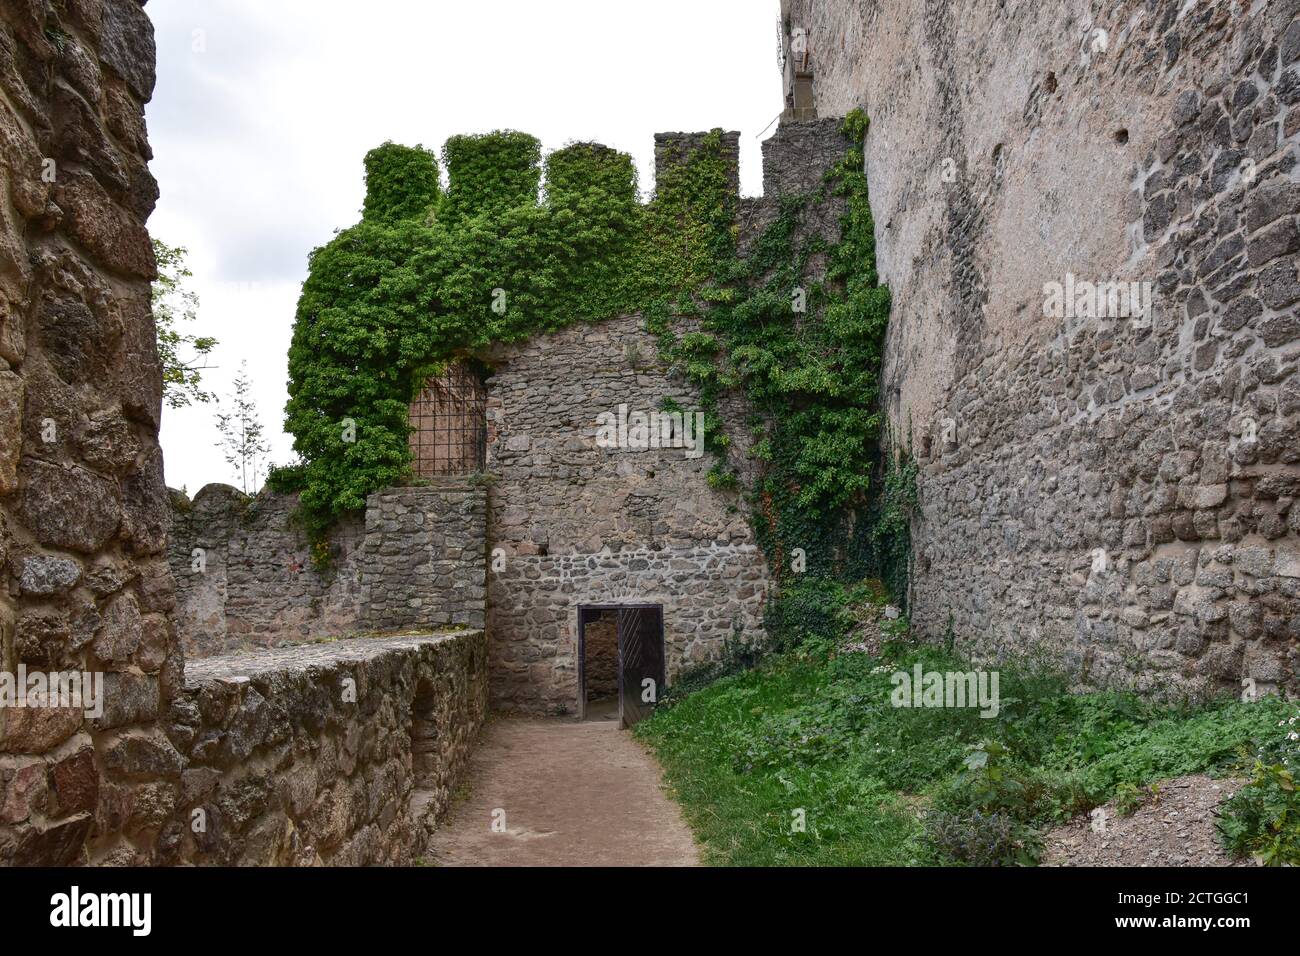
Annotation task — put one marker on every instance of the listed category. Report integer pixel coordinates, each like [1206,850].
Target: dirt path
[1177,829]
[565,794]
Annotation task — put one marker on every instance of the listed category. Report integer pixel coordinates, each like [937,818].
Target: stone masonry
[245,576]
[83,509]
[339,753]
[423,560]
[1121,492]
[572,523]
[345,752]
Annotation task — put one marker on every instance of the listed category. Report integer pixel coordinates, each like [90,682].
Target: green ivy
[402,183]
[429,276]
[812,374]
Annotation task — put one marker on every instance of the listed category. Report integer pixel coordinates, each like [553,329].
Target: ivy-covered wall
[778,298]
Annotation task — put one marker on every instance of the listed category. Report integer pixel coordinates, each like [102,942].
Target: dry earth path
[562,793]
[1176,829]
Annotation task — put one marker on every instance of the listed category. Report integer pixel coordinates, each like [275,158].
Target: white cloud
[260,121]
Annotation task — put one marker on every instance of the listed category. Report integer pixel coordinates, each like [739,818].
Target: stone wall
[1120,491]
[424,555]
[245,575]
[83,509]
[572,523]
[338,753]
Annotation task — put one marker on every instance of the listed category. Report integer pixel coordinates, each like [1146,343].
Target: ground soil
[573,794]
[1177,829]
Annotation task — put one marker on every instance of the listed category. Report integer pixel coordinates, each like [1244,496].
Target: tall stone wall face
[246,578]
[1118,490]
[573,523]
[344,752]
[83,509]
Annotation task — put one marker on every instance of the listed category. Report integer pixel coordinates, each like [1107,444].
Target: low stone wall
[245,576]
[340,753]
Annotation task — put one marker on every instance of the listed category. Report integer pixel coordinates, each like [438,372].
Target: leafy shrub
[978,838]
[807,607]
[401,183]
[1263,818]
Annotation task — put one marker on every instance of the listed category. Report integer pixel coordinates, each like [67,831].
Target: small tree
[241,435]
[183,356]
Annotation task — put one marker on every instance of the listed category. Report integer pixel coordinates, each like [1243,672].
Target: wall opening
[449,424]
[424,748]
[639,661]
[600,665]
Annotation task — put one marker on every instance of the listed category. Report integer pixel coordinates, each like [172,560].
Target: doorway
[620,661]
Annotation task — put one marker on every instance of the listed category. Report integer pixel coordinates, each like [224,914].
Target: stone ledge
[354,650]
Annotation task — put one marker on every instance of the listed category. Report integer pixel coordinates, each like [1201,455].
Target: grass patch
[811,736]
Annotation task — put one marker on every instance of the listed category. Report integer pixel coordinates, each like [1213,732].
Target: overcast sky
[264,110]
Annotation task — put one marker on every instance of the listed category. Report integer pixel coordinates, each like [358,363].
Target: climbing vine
[429,275]
[807,351]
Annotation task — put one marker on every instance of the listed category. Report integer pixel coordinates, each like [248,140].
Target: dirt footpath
[1176,829]
[562,793]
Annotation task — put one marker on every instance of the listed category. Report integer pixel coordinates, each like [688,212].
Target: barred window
[449,424]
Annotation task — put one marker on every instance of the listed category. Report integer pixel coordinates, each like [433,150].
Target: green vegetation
[182,354]
[1263,819]
[243,443]
[807,352]
[813,729]
[429,276]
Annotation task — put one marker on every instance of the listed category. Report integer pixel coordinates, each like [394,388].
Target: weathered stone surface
[22,790]
[121,631]
[371,798]
[572,523]
[146,510]
[48,574]
[145,755]
[112,235]
[56,844]
[68,507]
[74,784]
[34,730]
[129,699]
[127,46]
[245,575]
[423,563]
[11,417]
[1070,429]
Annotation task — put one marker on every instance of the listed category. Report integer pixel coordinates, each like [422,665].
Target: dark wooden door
[640,662]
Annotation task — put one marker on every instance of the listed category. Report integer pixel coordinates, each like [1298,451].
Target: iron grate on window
[449,424]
